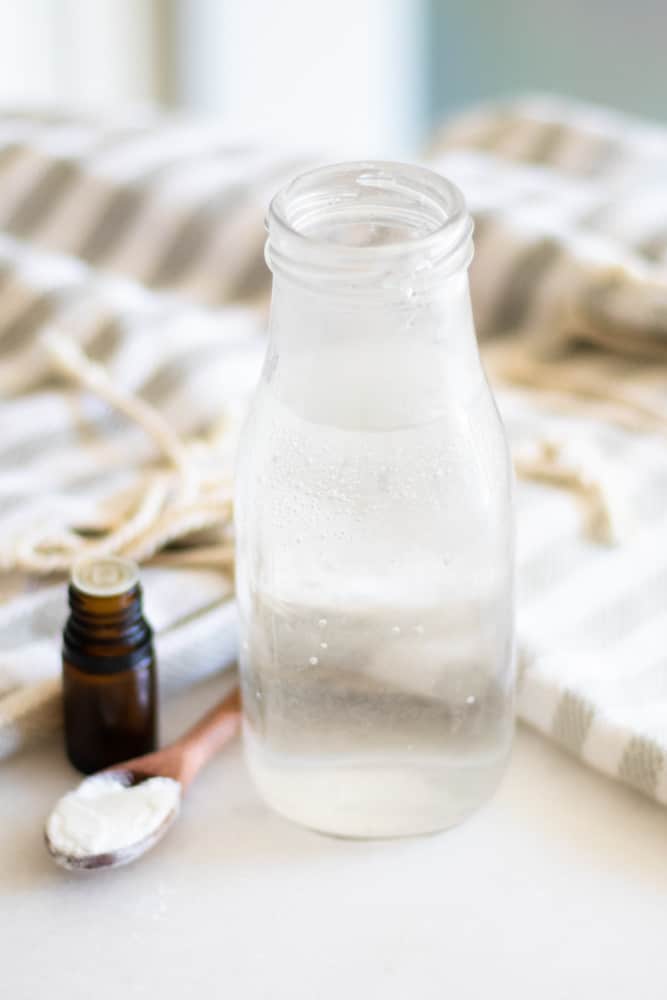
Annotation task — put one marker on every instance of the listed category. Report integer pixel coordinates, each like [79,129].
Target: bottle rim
[369,198]
[104,576]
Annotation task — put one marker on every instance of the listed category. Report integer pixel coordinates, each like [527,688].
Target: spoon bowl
[122,855]
[180,762]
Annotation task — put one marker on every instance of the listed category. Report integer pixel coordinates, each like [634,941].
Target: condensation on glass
[374,516]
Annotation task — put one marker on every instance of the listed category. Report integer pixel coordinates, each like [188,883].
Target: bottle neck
[360,363]
[371,324]
[369,230]
[121,610]
[106,634]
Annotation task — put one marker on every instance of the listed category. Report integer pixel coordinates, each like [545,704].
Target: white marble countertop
[556,889]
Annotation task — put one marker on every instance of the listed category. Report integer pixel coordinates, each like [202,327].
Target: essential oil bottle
[109,671]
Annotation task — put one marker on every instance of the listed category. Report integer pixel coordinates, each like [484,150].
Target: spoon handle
[209,735]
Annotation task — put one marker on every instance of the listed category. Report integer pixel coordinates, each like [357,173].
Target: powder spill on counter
[103,815]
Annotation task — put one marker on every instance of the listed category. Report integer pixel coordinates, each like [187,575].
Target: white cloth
[138,239]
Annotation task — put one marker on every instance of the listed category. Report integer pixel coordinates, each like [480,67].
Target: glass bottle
[109,674]
[374,516]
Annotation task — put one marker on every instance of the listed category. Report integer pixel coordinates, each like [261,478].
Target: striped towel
[131,308]
[127,250]
[569,286]
[570,205]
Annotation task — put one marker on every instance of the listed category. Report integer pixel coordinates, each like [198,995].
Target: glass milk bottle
[374,516]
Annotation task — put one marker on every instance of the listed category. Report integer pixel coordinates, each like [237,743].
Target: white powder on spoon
[103,815]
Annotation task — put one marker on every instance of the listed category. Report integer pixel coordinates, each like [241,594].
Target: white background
[344,75]
[556,890]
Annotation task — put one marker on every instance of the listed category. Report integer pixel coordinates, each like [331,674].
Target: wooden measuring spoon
[181,761]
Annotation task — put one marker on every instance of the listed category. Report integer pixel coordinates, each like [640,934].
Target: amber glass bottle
[109,674]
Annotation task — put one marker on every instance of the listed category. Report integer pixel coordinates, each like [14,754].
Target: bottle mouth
[105,576]
[366,223]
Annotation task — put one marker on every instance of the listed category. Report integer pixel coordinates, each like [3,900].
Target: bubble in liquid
[313,661]
[258,695]
[322,623]
[324,645]
[396,629]
[419,629]
[470,700]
